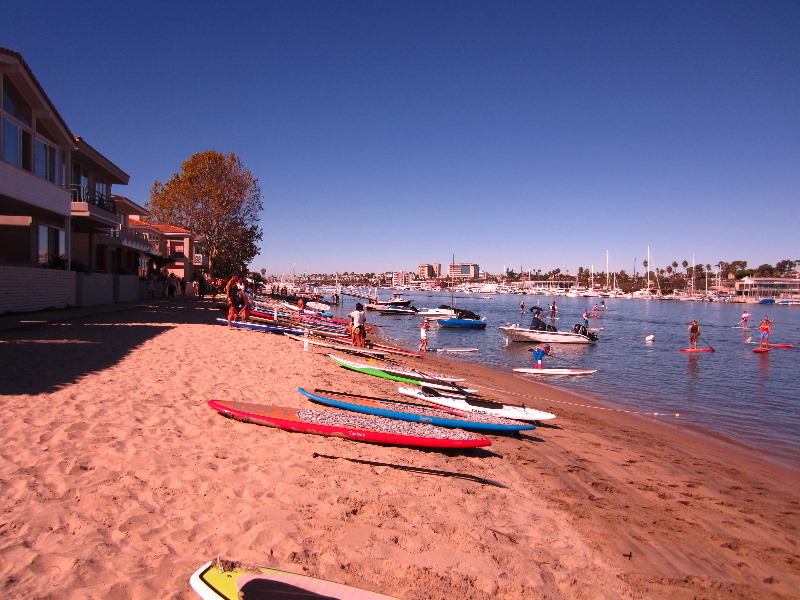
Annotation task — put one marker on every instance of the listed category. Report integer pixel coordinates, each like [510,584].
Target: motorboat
[578,335]
[464,323]
[394,300]
[397,310]
[443,312]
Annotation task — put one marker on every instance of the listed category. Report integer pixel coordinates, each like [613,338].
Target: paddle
[700,337]
[739,323]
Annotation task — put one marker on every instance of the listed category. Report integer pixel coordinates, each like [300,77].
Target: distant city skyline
[527,134]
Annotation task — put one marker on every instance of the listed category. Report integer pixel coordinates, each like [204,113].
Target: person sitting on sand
[539,353]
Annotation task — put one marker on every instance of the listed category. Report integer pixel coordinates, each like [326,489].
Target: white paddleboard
[488,407]
[557,371]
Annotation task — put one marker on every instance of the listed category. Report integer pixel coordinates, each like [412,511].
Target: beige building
[65,238]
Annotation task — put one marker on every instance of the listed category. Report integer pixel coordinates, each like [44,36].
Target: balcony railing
[86,194]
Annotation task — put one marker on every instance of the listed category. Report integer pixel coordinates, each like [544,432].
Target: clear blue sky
[387,134]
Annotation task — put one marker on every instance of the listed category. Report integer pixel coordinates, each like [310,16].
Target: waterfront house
[56,207]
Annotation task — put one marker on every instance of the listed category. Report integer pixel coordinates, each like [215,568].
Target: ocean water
[746,396]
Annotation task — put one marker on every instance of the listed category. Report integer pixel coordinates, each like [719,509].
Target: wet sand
[118,481]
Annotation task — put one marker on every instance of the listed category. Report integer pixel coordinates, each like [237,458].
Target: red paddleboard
[362,428]
[761,349]
[696,350]
[782,345]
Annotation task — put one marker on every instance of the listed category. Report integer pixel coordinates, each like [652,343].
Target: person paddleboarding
[745,315]
[694,334]
[766,330]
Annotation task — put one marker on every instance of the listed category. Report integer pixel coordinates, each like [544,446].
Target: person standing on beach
[233,298]
[539,353]
[423,336]
[245,293]
[172,285]
[766,330]
[694,334]
[358,328]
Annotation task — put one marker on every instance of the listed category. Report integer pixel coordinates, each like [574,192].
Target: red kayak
[697,350]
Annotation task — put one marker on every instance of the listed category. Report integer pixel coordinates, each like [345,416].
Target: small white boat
[515,333]
[438,313]
[397,310]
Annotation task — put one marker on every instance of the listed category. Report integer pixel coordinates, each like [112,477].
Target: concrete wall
[27,289]
[94,288]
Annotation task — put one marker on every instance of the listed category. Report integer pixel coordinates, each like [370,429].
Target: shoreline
[119,481]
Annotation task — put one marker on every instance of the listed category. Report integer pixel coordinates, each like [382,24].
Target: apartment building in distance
[429,271]
[463,271]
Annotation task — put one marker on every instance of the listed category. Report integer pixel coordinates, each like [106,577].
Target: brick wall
[25,289]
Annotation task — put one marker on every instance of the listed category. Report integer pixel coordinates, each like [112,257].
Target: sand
[118,481]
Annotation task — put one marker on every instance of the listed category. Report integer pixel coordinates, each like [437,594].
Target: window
[14,104]
[52,243]
[48,162]
[16,144]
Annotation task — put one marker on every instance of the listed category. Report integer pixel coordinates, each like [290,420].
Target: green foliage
[213,196]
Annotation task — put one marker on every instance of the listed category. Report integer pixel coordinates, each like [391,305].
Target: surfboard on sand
[362,428]
[556,371]
[229,580]
[696,350]
[264,328]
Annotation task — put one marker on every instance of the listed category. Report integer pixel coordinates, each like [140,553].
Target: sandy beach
[118,481]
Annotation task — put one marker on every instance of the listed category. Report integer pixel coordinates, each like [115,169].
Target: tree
[785,267]
[215,196]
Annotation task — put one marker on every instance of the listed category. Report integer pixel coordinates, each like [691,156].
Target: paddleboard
[361,428]
[489,407]
[382,348]
[229,580]
[771,345]
[557,371]
[257,327]
[696,350]
[761,349]
[349,349]
[452,349]
[415,413]
[395,374]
